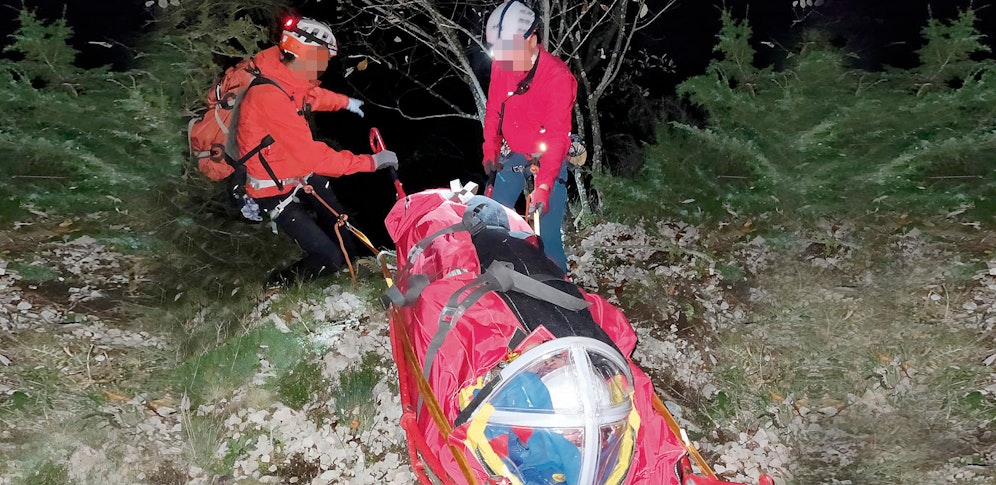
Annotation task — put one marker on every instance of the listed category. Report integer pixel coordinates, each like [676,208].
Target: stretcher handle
[490,187]
[377,145]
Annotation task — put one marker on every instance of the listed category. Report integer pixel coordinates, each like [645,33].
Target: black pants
[312,226]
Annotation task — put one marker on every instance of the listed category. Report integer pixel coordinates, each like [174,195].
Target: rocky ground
[835,356]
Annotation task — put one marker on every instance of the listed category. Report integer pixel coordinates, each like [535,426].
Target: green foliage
[736,65]
[819,138]
[947,54]
[35,272]
[694,175]
[198,39]
[354,399]
[39,389]
[15,401]
[52,159]
[45,55]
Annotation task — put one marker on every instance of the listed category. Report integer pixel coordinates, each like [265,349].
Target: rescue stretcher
[508,373]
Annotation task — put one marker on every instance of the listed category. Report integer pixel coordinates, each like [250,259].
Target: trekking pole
[377,145]
[535,214]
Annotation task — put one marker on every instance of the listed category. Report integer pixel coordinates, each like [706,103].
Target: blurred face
[552,363]
[310,64]
[515,54]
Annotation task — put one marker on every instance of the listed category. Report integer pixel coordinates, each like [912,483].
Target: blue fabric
[546,452]
[524,391]
[508,187]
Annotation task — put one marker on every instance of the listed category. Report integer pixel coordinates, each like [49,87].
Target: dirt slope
[838,354]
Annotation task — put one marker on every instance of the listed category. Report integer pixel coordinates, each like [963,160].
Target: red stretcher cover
[479,339]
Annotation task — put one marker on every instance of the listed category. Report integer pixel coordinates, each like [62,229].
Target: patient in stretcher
[551,398]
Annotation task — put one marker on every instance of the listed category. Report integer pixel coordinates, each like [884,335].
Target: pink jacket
[538,121]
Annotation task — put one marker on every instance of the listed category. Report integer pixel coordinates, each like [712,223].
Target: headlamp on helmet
[302,34]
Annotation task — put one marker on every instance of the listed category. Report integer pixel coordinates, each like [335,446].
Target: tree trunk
[546,22]
[596,135]
[480,97]
[578,180]
[590,97]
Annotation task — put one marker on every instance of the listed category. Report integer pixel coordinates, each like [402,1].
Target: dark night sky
[883,31]
[117,22]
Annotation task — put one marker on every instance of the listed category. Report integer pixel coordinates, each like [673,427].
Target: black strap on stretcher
[501,277]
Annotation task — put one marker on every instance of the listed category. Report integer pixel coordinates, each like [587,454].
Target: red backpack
[208,134]
[212,140]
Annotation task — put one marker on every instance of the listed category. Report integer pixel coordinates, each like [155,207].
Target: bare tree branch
[407,116]
[594,37]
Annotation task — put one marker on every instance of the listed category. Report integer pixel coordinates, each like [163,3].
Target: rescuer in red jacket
[271,121]
[530,102]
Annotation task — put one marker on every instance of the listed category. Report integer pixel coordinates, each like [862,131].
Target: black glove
[490,167]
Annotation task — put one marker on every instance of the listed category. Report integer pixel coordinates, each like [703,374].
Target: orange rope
[431,404]
[340,221]
[672,424]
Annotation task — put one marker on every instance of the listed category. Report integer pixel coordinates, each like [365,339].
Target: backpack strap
[475,403]
[261,79]
[267,140]
[500,277]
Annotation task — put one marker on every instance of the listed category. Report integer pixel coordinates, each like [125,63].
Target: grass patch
[219,371]
[34,272]
[36,390]
[204,434]
[894,395]
[355,403]
[46,473]
[299,384]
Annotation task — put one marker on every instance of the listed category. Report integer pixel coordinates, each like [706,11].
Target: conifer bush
[825,138]
[109,148]
[74,137]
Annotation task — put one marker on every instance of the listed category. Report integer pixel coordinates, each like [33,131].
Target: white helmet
[305,33]
[510,20]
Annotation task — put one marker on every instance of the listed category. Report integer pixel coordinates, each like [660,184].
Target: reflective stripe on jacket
[537,121]
[266,110]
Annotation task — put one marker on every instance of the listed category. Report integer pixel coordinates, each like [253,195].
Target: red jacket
[266,110]
[540,118]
